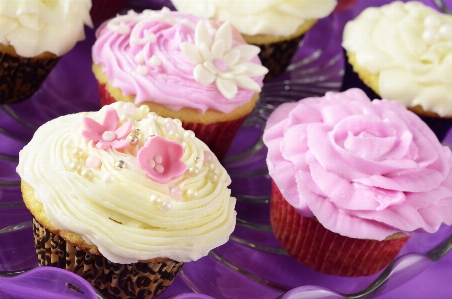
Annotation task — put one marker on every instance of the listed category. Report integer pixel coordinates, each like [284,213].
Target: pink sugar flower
[107,134]
[161,159]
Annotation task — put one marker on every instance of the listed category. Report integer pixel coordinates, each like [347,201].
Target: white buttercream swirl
[268,17]
[33,27]
[116,209]
[409,46]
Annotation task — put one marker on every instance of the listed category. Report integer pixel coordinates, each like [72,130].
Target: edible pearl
[430,36]
[166,206]
[446,31]
[197,159]
[87,173]
[212,176]
[92,162]
[108,178]
[155,61]
[178,122]
[77,153]
[75,166]
[189,134]
[109,136]
[158,159]
[130,108]
[173,134]
[159,168]
[192,193]
[176,192]
[137,132]
[183,143]
[432,21]
[208,156]
[170,126]
[69,144]
[193,171]
[133,139]
[156,200]
[120,164]
[144,109]
[211,165]
[139,58]
[125,118]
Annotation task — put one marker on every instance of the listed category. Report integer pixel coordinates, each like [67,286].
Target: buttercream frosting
[409,46]
[33,27]
[178,61]
[136,185]
[365,169]
[267,17]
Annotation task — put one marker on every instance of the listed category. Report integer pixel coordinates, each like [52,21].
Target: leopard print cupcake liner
[113,280]
[276,57]
[21,77]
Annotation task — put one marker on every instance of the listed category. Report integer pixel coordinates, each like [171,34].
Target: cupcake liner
[310,243]
[276,57]
[217,136]
[21,77]
[113,280]
[440,126]
[102,10]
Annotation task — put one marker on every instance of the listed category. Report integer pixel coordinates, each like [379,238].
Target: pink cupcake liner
[327,252]
[217,136]
[137,280]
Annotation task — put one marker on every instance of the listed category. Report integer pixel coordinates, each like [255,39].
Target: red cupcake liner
[327,252]
[102,10]
[217,136]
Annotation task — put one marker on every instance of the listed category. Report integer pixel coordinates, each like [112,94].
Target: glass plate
[251,264]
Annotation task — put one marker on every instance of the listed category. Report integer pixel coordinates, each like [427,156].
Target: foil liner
[310,243]
[276,57]
[440,126]
[217,136]
[102,10]
[21,77]
[113,280]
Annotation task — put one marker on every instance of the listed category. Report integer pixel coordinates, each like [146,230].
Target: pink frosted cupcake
[180,66]
[352,180]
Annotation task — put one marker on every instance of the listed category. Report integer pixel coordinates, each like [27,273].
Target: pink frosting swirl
[364,169]
[151,41]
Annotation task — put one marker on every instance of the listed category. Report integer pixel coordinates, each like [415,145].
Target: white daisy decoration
[216,60]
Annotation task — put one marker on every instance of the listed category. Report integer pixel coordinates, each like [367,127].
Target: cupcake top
[38,26]
[267,17]
[134,184]
[364,169]
[178,61]
[409,46]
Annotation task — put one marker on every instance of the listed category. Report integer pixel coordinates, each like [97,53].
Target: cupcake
[353,179]
[102,10]
[123,198]
[403,52]
[32,38]
[276,26]
[180,66]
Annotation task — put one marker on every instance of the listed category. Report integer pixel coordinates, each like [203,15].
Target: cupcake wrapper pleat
[327,252]
[113,280]
[21,77]
[217,136]
[276,57]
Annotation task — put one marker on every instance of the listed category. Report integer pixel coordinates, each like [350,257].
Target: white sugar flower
[216,60]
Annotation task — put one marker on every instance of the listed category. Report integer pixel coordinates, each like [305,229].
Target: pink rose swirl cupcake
[180,66]
[352,180]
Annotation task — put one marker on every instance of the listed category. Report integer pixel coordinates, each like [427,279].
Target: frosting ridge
[172,202]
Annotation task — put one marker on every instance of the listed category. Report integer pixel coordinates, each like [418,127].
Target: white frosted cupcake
[33,35]
[123,198]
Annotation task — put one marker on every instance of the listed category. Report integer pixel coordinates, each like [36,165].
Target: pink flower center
[220,64]
[109,136]
[156,164]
